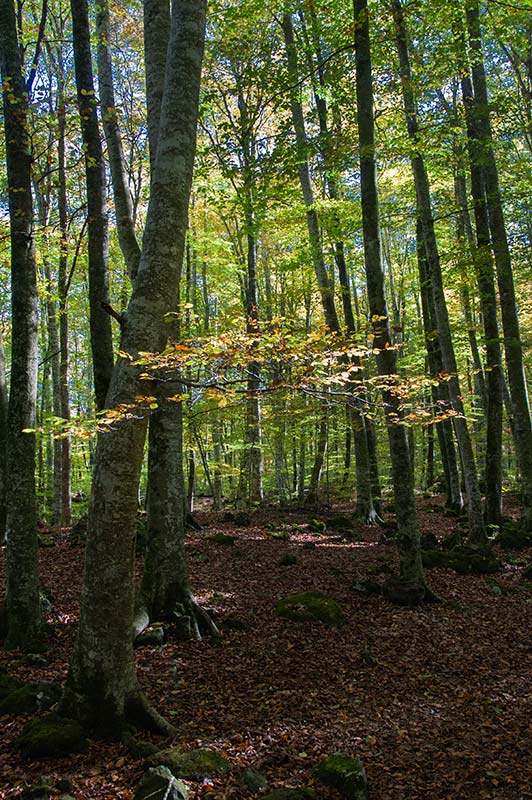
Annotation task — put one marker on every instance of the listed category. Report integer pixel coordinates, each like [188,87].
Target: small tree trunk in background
[484,269]
[100,321]
[3,440]
[440,397]
[62,290]
[312,496]
[298,120]
[510,320]
[411,567]
[23,606]
[477,531]
[191,480]
[122,196]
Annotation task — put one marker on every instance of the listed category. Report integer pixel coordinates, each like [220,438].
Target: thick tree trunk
[510,320]
[100,321]
[102,687]
[23,607]
[411,567]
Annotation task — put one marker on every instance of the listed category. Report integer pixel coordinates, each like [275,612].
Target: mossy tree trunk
[477,530]
[102,687]
[411,567]
[23,607]
[513,347]
[98,244]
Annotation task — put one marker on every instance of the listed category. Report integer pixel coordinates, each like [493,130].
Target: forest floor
[436,701]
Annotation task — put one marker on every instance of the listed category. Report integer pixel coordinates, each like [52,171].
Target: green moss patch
[158,783]
[464,560]
[345,774]
[190,764]
[310,606]
[291,794]
[31,698]
[51,736]
[8,685]
[513,538]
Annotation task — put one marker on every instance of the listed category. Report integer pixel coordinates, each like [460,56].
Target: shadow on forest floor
[436,701]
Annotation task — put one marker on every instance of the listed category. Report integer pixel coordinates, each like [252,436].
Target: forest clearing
[435,700]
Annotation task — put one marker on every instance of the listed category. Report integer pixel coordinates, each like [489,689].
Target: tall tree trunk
[122,196]
[62,290]
[298,121]
[510,321]
[100,321]
[313,491]
[484,270]
[23,607]
[411,567]
[440,397]
[102,687]
[3,441]
[477,531]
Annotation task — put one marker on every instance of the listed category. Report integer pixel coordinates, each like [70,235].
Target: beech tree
[23,602]
[102,688]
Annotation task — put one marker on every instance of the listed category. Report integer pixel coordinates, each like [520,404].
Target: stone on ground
[345,774]
[158,783]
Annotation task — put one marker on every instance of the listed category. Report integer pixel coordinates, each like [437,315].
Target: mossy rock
[366,586]
[464,560]
[310,606]
[8,685]
[30,698]
[42,789]
[452,541]
[191,765]
[341,523]
[51,736]
[140,748]
[254,780]
[291,794]
[345,774]
[222,538]
[317,526]
[434,558]
[288,560]
[513,538]
[158,783]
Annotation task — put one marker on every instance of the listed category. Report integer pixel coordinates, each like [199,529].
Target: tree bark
[477,531]
[122,196]
[102,687]
[98,244]
[23,606]
[510,320]
[411,567]
[322,277]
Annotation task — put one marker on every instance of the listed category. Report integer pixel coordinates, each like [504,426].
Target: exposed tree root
[143,716]
[200,623]
[191,620]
